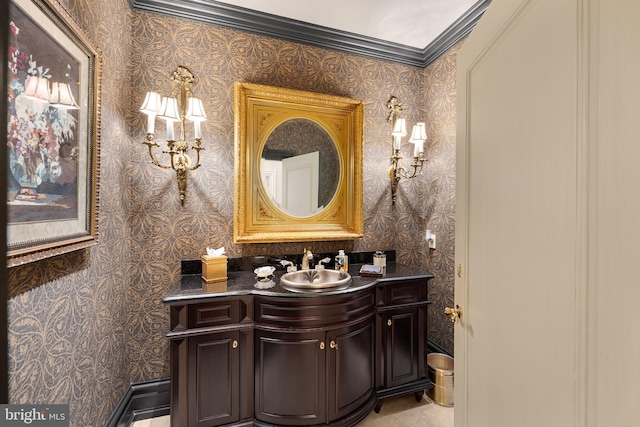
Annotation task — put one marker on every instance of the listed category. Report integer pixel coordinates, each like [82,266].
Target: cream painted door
[516,227]
[613,321]
[271,174]
[300,184]
[547,226]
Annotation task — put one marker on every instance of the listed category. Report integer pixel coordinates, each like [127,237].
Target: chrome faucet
[307,259]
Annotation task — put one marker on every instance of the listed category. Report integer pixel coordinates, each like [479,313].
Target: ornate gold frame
[259,110]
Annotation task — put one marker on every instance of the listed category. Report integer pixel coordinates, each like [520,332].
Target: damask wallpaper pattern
[67,314]
[84,325]
[440,100]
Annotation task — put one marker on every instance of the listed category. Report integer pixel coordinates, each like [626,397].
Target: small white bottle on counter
[342,261]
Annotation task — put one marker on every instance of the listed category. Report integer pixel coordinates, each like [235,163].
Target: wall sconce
[179,106]
[418,138]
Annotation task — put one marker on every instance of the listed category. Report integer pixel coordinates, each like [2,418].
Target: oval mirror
[300,167]
[322,202]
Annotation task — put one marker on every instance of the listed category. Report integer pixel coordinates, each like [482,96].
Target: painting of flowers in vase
[43,126]
[53,86]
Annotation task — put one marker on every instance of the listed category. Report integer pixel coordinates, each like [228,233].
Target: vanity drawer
[313,312]
[402,292]
[214,313]
[220,312]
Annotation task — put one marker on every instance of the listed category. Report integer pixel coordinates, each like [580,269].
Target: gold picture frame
[53,133]
[259,110]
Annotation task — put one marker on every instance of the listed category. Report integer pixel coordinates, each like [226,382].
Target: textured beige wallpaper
[84,325]
[67,315]
[440,84]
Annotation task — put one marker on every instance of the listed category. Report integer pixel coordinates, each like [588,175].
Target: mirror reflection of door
[300,167]
[300,184]
[271,173]
[292,183]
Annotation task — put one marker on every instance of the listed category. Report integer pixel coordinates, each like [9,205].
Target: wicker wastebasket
[440,367]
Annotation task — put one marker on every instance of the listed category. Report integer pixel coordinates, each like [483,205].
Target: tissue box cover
[214,286]
[214,268]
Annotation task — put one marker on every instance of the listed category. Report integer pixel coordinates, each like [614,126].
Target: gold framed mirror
[298,165]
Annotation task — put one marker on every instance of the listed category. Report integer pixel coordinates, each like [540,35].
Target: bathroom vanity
[271,357]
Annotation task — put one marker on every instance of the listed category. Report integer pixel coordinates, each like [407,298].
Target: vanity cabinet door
[290,374]
[401,325]
[211,352]
[350,368]
[402,357]
[214,379]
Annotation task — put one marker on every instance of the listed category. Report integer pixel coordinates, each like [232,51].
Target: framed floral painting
[53,133]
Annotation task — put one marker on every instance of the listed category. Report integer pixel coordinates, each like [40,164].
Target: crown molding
[454,33]
[235,17]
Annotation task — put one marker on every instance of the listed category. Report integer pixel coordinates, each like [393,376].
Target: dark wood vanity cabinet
[212,363]
[401,324]
[297,360]
[318,369]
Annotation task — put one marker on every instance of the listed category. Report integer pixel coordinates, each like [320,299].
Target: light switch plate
[431,239]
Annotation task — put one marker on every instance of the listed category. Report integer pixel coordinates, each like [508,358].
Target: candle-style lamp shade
[400,127]
[152,103]
[418,137]
[419,133]
[399,131]
[151,107]
[195,113]
[169,110]
[195,110]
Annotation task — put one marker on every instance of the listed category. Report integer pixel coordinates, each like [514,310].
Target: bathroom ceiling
[414,23]
[412,32]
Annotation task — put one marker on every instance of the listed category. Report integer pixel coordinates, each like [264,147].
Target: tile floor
[401,411]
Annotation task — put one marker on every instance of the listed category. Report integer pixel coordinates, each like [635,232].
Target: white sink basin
[315,280]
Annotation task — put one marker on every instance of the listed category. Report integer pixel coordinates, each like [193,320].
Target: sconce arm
[197,148]
[417,169]
[150,143]
[396,172]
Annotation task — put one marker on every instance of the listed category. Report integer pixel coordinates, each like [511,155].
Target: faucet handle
[319,266]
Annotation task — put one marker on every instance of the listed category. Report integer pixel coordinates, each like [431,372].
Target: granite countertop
[192,287]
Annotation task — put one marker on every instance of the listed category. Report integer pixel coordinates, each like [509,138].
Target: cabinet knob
[333,344]
[321,345]
[389,322]
[234,344]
